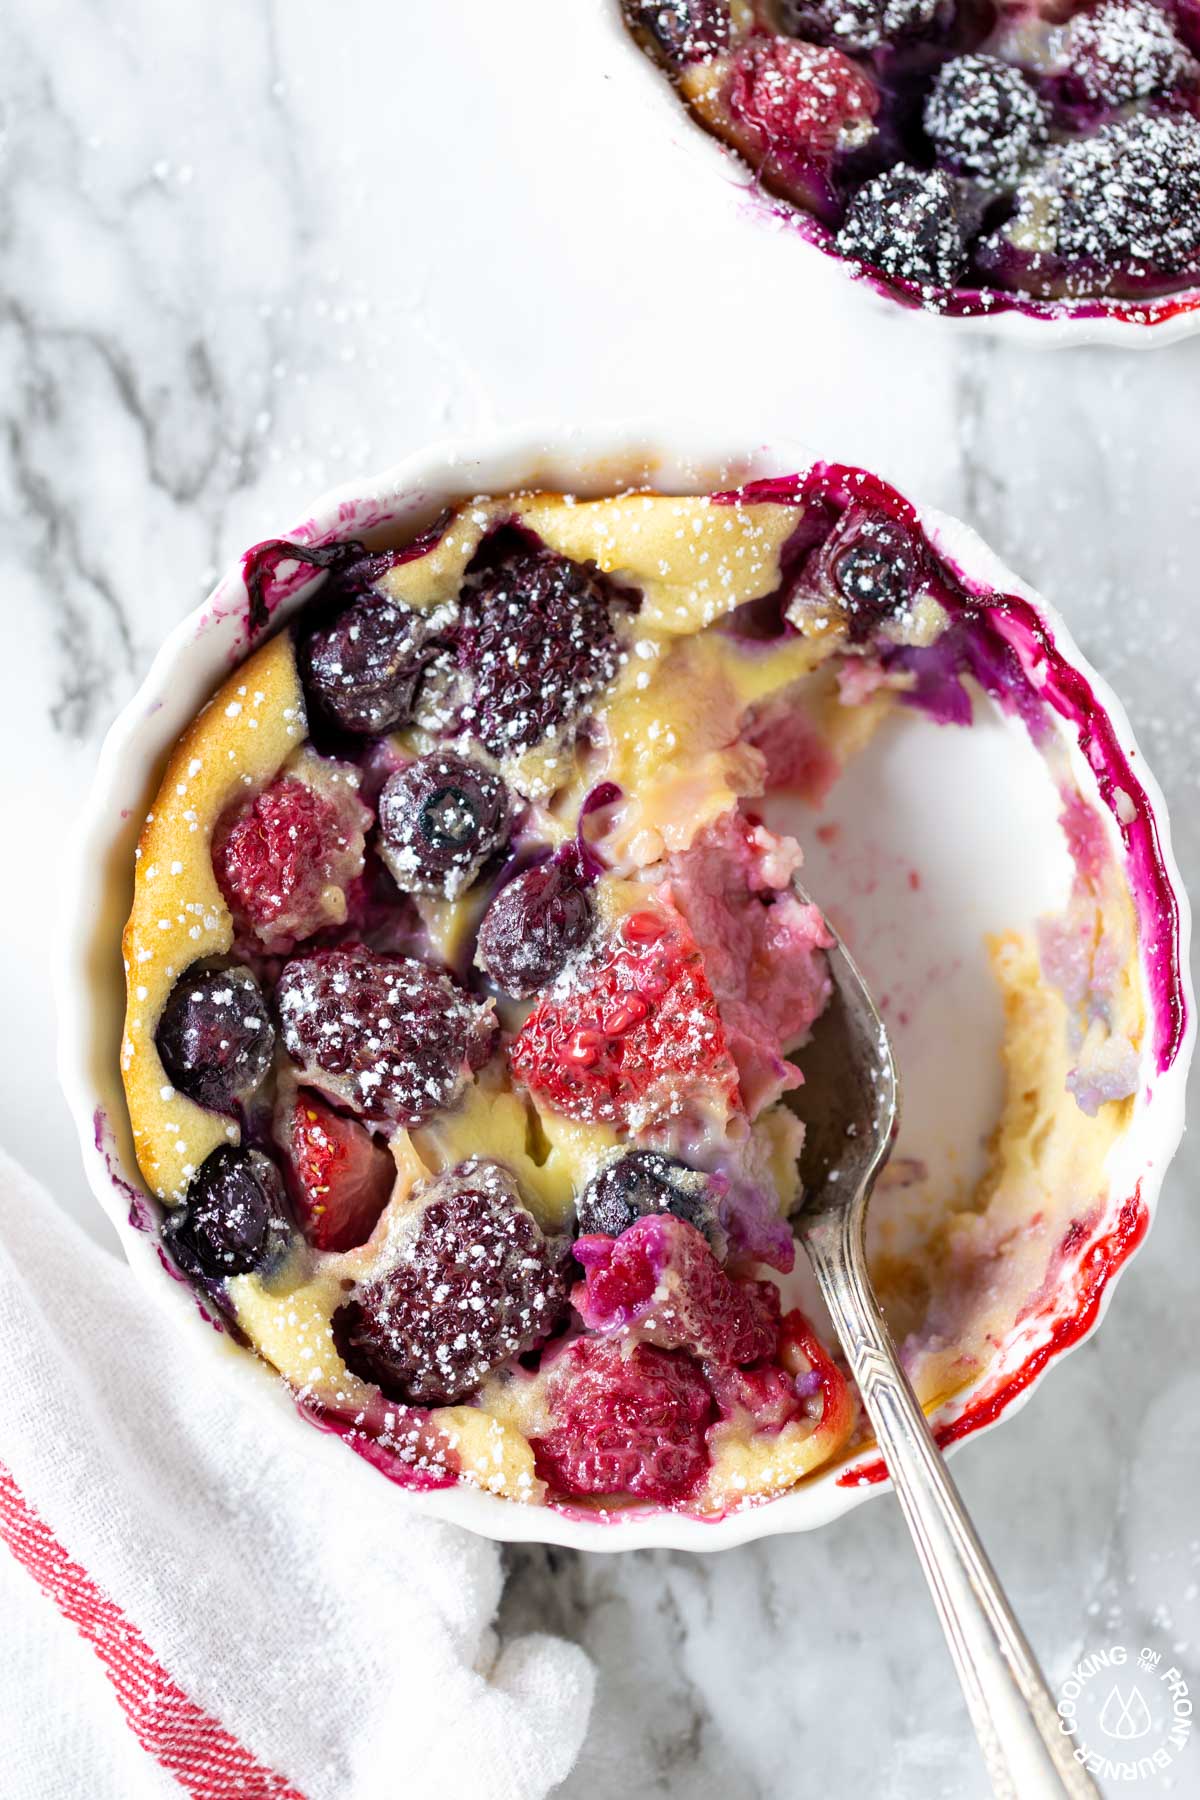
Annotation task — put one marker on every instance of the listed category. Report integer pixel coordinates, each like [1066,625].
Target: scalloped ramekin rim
[1028,323]
[602,459]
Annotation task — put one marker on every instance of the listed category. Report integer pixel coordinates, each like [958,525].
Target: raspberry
[661,1279]
[637,1038]
[641,1182]
[440,818]
[284,860]
[802,100]
[232,1220]
[391,1037]
[537,642]
[474,1283]
[339,1177]
[214,1037]
[535,925]
[625,1424]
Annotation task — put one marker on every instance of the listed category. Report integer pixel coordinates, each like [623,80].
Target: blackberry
[1130,195]
[856,24]
[391,1037]
[1118,52]
[906,224]
[475,1283]
[985,118]
[537,641]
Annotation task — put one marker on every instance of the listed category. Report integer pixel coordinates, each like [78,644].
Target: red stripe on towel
[205,1759]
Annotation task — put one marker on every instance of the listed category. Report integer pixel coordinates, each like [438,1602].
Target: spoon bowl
[850,1101]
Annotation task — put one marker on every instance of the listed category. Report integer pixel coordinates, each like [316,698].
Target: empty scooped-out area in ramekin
[201,652]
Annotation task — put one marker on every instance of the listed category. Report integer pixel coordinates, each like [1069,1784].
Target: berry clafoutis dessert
[467,988]
[968,156]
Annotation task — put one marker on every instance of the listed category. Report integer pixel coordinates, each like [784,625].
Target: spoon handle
[1028,1755]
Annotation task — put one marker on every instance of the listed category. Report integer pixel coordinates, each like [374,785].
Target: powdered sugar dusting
[469,1283]
[394,1037]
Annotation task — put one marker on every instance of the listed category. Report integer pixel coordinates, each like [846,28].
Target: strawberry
[339,1178]
[636,1037]
[817,1379]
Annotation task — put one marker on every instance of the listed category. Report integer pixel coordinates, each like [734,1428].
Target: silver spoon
[850,1105]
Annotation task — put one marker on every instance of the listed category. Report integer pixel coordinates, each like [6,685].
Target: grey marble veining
[249,250]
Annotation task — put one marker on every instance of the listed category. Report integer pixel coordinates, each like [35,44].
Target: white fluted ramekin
[199,654]
[1014,318]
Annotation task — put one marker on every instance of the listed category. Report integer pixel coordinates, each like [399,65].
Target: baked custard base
[674,736]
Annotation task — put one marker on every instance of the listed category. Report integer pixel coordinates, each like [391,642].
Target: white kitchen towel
[194,1604]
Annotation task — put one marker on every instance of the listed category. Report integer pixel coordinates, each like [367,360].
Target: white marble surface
[250,249]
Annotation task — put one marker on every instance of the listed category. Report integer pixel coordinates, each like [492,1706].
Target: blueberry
[906,224]
[439,821]
[232,1220]
[215,1037]
[985,118]
[856,24]
[364,668]
[683,30]
[641,1182]
[874,567]
[535,924]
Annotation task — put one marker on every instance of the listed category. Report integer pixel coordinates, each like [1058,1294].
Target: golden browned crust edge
[236,743]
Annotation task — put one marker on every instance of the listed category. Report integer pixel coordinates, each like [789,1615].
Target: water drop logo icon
[1125,1717]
